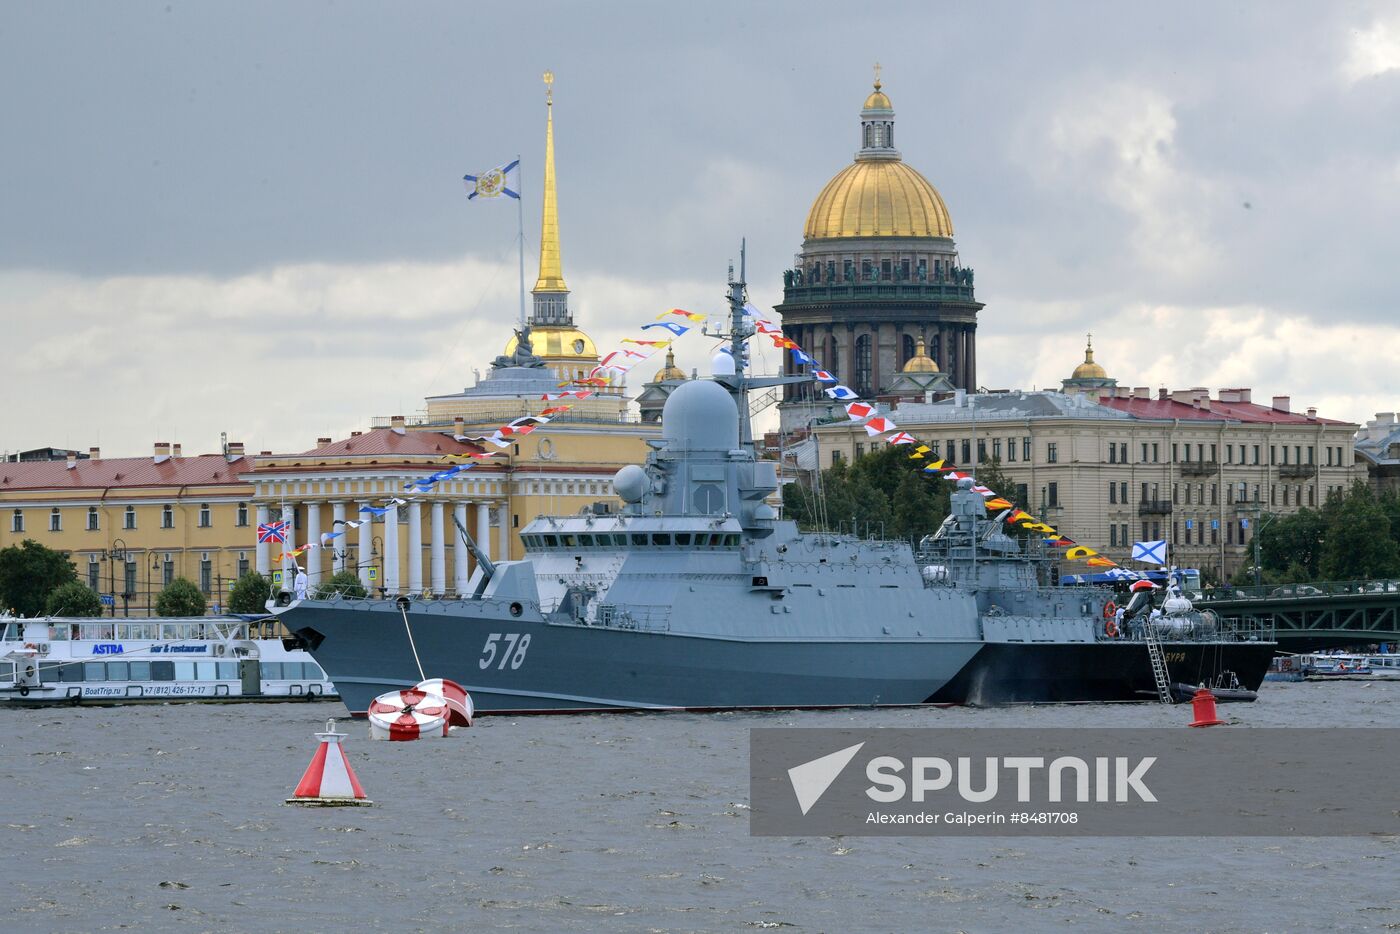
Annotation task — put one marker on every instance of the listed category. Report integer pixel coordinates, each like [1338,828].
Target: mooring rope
[403,609]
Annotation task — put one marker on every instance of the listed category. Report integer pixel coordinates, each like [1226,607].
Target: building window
[129,580]
[129,519]
[1215,494]
[1052,494]
[1011,450]
[835,458]
[1144,452]
[981,450]
[17,521]
[1285,453]
[1023,495]
[1123,534]
[242,515]
[1229,453]
[1200,452]
[167,516]
[1026,449]
[906,349]
[1112,533]
[1123,498]
[1112,453]
[1144,494]
[860,449]
[242,564]
[966,451]
[206,518]
[92,519]
[1052,453]
[862,368]
[1155,454]
[1113,494]
[55,520]
[933,449]
[996,449]
[206,574]
[94,573]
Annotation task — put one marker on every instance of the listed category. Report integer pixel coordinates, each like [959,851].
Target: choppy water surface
[172,817]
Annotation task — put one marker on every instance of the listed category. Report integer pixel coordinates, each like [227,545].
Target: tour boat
[129,660]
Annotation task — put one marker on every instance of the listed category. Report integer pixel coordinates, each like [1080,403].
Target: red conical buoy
[1203,708]
[329,781]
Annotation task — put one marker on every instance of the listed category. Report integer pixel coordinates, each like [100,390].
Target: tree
[345,583]
[1357,543]
[249,594]
[73,599]
[29,572]
[180,598]
[882,492]
[1293,542]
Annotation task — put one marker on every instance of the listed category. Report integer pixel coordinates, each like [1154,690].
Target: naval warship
[697,595]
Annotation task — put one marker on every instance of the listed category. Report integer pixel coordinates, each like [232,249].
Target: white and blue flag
[502,181]
[841,392]
[1150,552]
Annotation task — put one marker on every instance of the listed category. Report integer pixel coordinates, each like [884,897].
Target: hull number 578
[504,649]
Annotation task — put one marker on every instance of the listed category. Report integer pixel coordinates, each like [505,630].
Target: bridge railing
[1299,591]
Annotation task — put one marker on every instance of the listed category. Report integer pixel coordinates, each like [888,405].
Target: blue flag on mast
[494,183]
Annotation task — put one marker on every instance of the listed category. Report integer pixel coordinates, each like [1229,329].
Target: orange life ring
[1110,628]
[1109,609]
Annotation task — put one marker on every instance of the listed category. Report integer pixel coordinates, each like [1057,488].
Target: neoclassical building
[878,272]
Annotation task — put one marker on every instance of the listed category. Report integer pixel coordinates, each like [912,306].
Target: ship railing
[640,618]
[1198,626]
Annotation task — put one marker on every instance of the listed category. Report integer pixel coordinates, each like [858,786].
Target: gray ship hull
[537,665]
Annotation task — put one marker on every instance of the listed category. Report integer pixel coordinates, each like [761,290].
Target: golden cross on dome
[1090,338]
[549,87]
[877,76]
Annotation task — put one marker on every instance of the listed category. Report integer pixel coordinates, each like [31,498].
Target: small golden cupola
[1089,375]
[670,370]
[921,362]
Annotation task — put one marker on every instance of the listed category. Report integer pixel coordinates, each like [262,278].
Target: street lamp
[111,555]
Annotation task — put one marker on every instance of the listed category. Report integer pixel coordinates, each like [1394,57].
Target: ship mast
[739,332]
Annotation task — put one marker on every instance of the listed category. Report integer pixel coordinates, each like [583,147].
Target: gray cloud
[225,183]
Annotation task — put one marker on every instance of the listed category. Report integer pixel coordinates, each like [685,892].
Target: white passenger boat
[128,660]
[1336,666]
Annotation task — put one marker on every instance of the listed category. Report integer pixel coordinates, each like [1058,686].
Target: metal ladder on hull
[1159,664]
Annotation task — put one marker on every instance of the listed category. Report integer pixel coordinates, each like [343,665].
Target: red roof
[1218,411]
[201,470]
[387,441]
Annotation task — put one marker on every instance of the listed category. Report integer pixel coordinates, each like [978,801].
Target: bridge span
[1321,615]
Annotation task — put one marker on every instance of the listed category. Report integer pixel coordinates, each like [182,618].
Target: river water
[171,817]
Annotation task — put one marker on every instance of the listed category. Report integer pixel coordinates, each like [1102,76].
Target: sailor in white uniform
[300,586]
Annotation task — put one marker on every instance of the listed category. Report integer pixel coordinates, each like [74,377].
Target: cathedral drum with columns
[878,273]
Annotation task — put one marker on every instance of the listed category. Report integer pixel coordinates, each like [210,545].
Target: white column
[391,550]
[366,546]
[313,535]
[460,571]
[439,554]
[483,528]
[415,547]
[341,550]
[502,510]
[289,565]
[264,558]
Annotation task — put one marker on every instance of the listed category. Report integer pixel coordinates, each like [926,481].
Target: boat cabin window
[639,538]
[140,671]
[568,540]
[661,538]
[551,541]
[162,671]
[682,538]
[118,671]
[71,672]
[94,671]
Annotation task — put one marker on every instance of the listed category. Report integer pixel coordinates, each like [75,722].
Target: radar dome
[700,415]
[722,364]
[630,484]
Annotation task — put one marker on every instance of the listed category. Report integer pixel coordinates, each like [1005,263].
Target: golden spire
[551,266]
[1089,369]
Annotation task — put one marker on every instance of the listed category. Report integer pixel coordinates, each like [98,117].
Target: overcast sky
[249,217]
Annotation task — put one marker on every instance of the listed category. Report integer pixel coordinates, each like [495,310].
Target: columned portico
[438,561]
[263,557]
[502,512]
[415,547]
[391,550]
[460,571]
[289,564]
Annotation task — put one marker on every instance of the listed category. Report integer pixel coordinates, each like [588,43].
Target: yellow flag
[1079,551]
[919,452]
[997,503]
[1038,527]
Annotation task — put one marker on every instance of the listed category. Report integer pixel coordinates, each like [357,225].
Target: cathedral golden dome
[921,362]
[877,100]
[559,343]
[883,198]
[670,370]
[1089,369]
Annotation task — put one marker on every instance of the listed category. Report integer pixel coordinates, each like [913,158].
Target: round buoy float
[460,710]
[1203,708]
[407,715]
[329,781]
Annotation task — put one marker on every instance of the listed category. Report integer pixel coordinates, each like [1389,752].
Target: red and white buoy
[406,715]
[459,703]
[1203,709]
[329,781]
